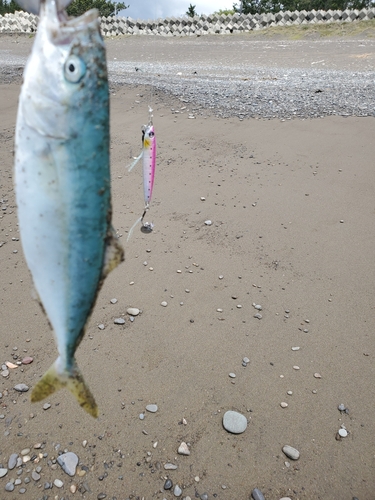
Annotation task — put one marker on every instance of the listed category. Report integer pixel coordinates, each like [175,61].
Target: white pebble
[296,348]
[208,222]
[164,303]
[283,404]
[133,311]
[291,452]
[58,483]
[183,449]
[232,375]
[234,422]
[343,433]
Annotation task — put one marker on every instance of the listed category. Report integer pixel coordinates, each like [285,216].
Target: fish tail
[73,380]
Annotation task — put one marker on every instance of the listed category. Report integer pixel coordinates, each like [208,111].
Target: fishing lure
[148,155]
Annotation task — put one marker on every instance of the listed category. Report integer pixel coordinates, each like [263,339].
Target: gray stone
[9,486]
[234,422]
[68,462]
[177,491]
[257,494]
[35,475]
[170,466]
[168,484]
[119,321]
[12,462]
[291,452]
[21,387]
[3,472]
[58,483]
[152,408]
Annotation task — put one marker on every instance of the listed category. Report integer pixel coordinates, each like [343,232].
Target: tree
[105,7]
[8,7]
[191,12]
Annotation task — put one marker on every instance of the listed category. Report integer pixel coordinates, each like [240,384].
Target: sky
[153,9]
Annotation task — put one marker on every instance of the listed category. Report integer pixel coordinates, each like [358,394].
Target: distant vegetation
[191,12]
[8,7]
[76,8]
[261,6]
[225,12]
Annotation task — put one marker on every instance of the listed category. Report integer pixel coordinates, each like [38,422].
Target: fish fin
[73,380]
[133,164]
[114,253]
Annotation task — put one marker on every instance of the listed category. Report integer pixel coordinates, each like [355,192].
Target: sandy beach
[291,205]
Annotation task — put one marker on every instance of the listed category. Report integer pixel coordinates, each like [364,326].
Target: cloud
[148,9]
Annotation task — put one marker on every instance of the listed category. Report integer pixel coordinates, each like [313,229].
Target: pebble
[27,360]
[113,301]
[295,367]
[296,348]
[170,466]
[246,360]
[9,487]
[291,452]
[5,373]
[285,498]
[258,307]
[340,407]
[101,326]
[58,483]
[152,408]
[343,433]
[3,472]
[68,462]
[289,393]
[22,490]
[35,475]
[257,494]
[141,416]
[11,365]
[168,484]
[234,422]
[12,462]
[164,303]
[177,491]
[21,387]
[283,404]
[258,316]
[183,449]
[133,311]
[208,222]
[25,451]
[46,406]
[101,496]
[317,375]
[232,375]
[119,321]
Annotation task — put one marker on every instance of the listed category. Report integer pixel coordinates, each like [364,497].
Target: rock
[341,407]
[152,408]
[168,484]
[343,433]
[5,373]
[317,375]
[101,496]
[3,472]
[258,316]
[58,483]
[257,494]
[177,491]
[25,451]
[12,462]
[164,303]
[232,375]
[246,360]
[234,422]
[10,365]
[9,486]
[101,326]
[35,475]
[170,466]
[46,406]
[119,321]
[72,488]
[21,387]
[133,311]
[68,462]
[27,360]
[183,449]
[113,301]
[291,452]
[283,404]
[208,222]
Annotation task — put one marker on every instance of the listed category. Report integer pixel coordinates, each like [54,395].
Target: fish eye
[74,69]
[151,134]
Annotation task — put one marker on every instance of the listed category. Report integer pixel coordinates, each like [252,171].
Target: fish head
[66,71]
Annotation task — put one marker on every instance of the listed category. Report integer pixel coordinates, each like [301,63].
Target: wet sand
[292,211]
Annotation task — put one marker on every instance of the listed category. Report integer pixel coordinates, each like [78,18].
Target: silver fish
[62,181]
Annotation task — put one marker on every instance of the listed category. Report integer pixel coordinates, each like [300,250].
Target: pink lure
[148,156]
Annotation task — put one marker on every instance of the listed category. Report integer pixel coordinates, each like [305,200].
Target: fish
[148,155]
[62,182]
